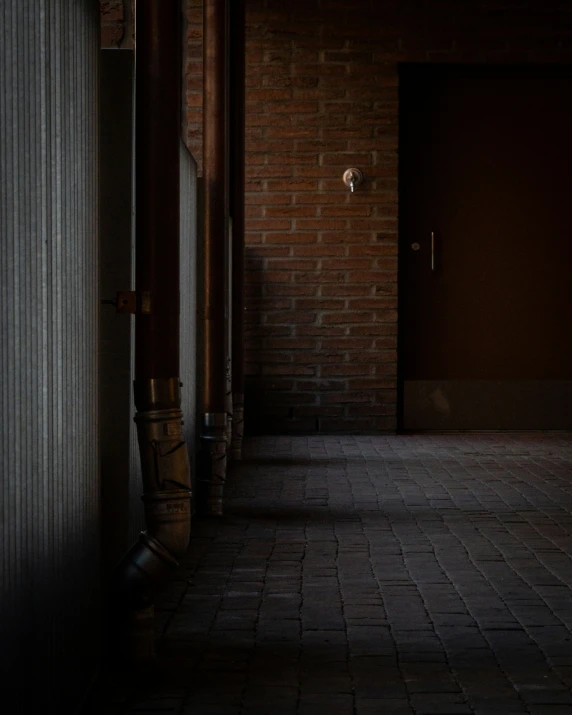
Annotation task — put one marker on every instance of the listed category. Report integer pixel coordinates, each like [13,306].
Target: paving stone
[498,707]
[394,575]
[385,706]
[326,705]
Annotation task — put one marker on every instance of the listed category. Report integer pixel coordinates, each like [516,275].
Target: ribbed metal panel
[188,218]
[48,387]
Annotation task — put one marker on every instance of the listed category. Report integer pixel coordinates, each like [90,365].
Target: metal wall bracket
[126,301]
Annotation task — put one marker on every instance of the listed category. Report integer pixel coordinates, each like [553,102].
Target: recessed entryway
[485,247]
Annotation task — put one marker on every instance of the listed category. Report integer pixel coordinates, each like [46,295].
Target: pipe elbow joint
[157,552]
[168,515]
[167,501]
[142,569]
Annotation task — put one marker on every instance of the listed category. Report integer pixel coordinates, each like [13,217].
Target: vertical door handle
[432,250]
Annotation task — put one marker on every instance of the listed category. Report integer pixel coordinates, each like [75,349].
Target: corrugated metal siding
[188,254]
[48,387]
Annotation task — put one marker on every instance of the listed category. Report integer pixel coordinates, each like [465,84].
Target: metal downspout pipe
[214,397]
[237,91]
[164,456]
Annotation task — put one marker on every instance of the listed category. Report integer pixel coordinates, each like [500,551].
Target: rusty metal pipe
[164,456]
[214,402]
[158,123]
[237,98]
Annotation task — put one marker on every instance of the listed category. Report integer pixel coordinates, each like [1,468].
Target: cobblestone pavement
[373,576]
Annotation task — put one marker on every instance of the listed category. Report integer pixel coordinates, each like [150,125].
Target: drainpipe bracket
[214,426]
[214,430]
[128,302]
[214,420]
[157,393]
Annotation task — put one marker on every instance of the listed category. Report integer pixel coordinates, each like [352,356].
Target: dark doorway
[485,247]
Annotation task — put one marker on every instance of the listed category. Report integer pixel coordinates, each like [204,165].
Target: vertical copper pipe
[228,237]
[214,402]
[158,121]
[164,456]
[237,110]
[215,200]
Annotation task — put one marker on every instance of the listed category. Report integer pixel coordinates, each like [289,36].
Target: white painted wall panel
[188,254]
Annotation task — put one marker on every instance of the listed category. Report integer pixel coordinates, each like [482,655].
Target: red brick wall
[322,96]
[112,13]
[193,82]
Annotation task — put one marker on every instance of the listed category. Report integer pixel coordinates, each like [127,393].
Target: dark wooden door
[485,248]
